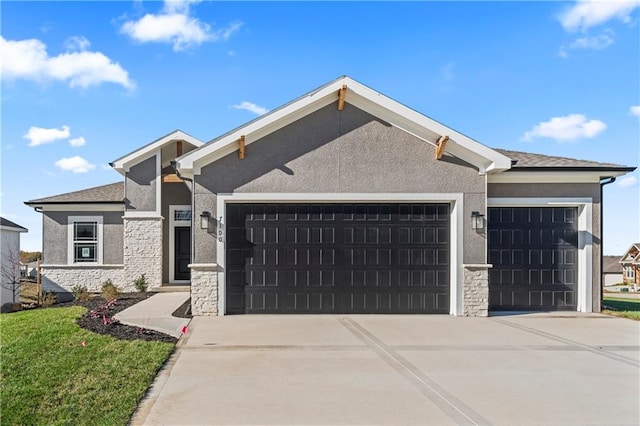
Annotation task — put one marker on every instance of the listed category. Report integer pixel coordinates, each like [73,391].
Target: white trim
[122,164]
[135,214]
[13,229]
[485,158]
[172,249]
[585,238]
[81,207]
[541,176]
[159,181]
[456,226]
[99,243]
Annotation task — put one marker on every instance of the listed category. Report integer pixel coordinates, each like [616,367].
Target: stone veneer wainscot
[143,248]
[476,290]
[204,288]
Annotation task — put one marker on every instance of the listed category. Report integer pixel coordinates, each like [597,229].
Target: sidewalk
[155,312]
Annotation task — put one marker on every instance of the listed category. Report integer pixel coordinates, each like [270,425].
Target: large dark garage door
[534,252]
[337,258]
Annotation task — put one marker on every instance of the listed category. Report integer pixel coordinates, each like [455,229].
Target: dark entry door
[182,253]
[337,258]
[534,253]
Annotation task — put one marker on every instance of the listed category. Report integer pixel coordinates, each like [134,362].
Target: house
[630,263]
[9,263]
[611,270]
[341,201]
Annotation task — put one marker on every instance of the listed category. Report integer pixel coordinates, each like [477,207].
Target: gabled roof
[105,194]
[632,255]
[123,163]
[358,95]
[529,161]
[11,226]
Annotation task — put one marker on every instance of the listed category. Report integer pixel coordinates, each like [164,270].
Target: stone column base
[143,249]
[204,289]
[476,290]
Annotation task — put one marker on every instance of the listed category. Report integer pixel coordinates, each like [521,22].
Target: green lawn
[48,377]
[627,308]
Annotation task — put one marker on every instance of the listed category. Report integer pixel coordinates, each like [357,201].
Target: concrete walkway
[533,369]
[155,312]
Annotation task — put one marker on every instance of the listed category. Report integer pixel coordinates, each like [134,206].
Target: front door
[182,253]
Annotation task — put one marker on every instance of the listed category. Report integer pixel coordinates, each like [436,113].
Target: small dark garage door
[337,258]
[534,252]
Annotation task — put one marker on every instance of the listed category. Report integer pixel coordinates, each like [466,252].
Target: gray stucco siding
[172,194]
[140,186]
[331,151]
[55,236]
[562,190]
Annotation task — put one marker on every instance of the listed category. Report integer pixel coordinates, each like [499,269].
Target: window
[180,215]
[85,239]
[630,272]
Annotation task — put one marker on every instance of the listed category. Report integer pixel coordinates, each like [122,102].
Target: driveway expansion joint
[599,350]
[455,409]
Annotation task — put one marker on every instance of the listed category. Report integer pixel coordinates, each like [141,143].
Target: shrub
[80,292]
[48,298]
[109,290]
[141,283]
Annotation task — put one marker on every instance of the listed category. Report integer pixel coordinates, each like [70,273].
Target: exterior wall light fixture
[477,220]
[204,220]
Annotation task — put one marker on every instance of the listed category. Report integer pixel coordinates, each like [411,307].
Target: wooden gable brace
[341,95]
[442,142]
[241,151]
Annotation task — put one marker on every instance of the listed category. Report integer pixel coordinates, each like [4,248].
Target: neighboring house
[9,263]
[630,263]
[29,270]
[611,270]
[341,201]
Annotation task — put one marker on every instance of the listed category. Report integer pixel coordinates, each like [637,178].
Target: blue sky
[84,83]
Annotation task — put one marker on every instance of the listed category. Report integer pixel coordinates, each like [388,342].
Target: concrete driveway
[554,369]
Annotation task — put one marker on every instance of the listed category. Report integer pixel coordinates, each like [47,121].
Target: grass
[626,308]
[48,377]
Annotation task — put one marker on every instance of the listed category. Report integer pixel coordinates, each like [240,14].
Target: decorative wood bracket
[442,142]
[171,178]
[178,149]
[241,151]
[341,95]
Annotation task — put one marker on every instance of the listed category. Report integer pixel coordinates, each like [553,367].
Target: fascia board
[256,130]
[541,176]
[80,207]
[13,229]
[123,163]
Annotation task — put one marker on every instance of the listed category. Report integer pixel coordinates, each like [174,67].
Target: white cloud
[567,128]
[598,42]
[29,60]
[635,110]
[79,141]
[40,136]
[175,25]
[628,181]
[77,43]
[590,13]
[75,164]
[249,106]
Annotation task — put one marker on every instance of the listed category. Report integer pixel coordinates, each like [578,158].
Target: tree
[11,274]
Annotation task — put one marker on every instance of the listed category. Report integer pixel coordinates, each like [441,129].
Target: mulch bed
[99,318]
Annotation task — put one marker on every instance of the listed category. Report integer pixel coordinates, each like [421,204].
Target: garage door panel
[537,272]
[338,258]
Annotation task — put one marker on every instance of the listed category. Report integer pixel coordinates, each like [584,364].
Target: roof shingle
[112,193]
[8,223]
[530,160]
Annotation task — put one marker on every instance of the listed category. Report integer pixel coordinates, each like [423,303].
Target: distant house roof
[632,255]
[105,194]
[527,160]
[12,226]
[611,265]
